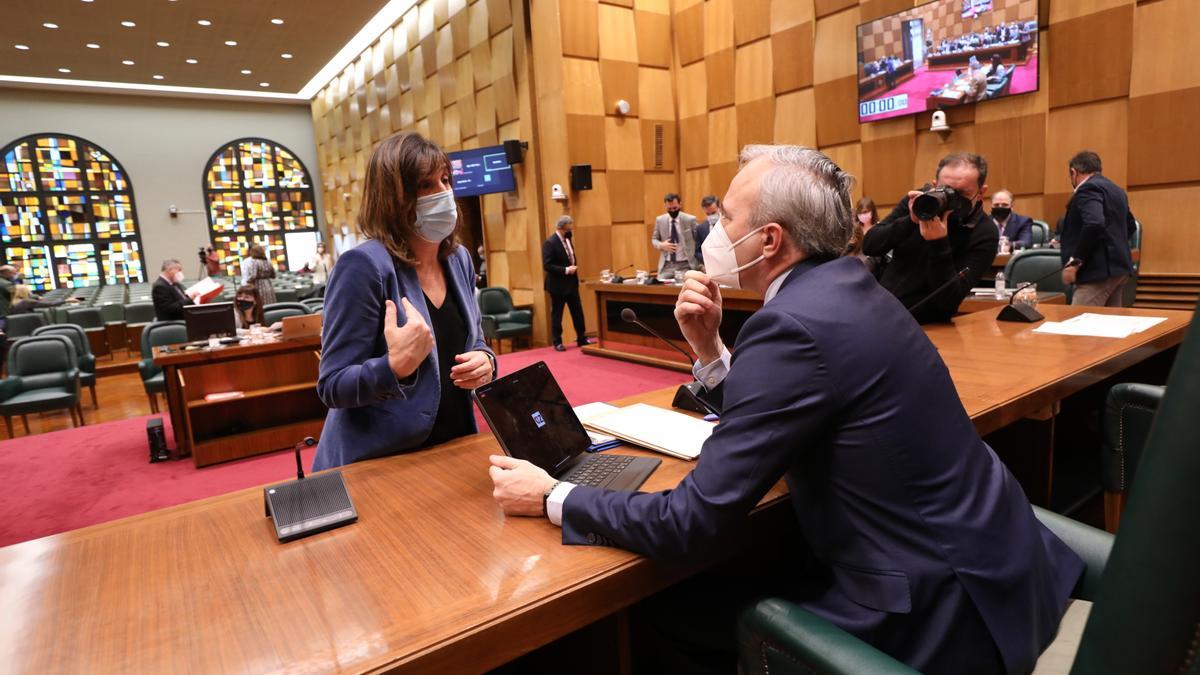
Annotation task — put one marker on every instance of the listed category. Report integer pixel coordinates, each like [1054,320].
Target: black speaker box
[513,153]
[158,440]
[581,176]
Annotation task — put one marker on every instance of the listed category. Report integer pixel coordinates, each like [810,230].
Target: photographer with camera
[208,258]
[933,234]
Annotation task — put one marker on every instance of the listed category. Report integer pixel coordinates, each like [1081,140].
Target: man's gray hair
[563,222]
[169,263]
[808,194]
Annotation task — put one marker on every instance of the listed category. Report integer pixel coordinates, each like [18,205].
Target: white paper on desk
[1100,325]
[658,429]
[589,410]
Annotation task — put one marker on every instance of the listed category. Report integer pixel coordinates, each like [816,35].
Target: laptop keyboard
[598,469]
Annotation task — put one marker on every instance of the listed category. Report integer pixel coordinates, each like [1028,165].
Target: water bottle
[999,285]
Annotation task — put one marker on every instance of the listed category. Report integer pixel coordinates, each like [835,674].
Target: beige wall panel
[630,245]
[657,186]
[849,158]
[653,38]
[753,80]
[655,98]
[836,103]
[411,23]
[453,130]
[477,31]
[751,21]
[482,54]
[1014,149]
[429,54]
[874,9]
[722,136]
[464,77]
[498,269]
[792,58]
[618,35]
[623,143]
[755,122]
[720,67]
[790,13]
[620,81]
[592,207]
[485,111]
[448,83]
[696,184]
[516,230]
[1161,61]
[718,26]
[502,54]
[931,149]
[887,162]
[466,117]
[721,175]
[506,99]
[1105,72]
[441,12]
[795,119]
[460,28]
[445,47]
[583,93]
[692,89]
[836,47]
[693,139]
[499,15]
[826,7]
[627,196]
[689,34]
[1100,127]
[585,141]
[1170,239]
[619,3]
[1063,10]
[655,6]
[659,147]
[580,28]
[1164,137]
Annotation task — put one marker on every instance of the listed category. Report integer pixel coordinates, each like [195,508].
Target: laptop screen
[531,417]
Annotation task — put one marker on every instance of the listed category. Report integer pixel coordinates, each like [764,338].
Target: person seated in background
[248,307]
[8,277]
[927,254]
[915,537]
[866,215]
[168,294]
[1013,226]
[24,301]
[998,71]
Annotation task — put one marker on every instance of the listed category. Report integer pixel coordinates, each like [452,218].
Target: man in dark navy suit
[1096,230]
[924,545]
[562,282]
[1015,227]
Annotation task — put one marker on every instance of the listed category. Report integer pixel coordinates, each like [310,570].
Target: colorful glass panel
[258,171]
[291,171]
[261,209]
[76,265]
[104,174]
[68,218]
[122,262]
[296,207]
[114,216]
[33,263]
[59,163]
[22,219]
[222,173]
[16,175]
[226,212]
[230,250]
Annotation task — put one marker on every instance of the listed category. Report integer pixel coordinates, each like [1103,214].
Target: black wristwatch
[492,359]
[546,498]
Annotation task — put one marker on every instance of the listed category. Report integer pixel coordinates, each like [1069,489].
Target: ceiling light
[155,87]
[158,77]
[64,70]
[192,61]
[93,45]
[264,84]
[86,0]
[127,62]
[23,48]
[285,55]
[204,22]
[50,25]
[245,71]
[128,24]
[277,22]
[231,43]
[160,43]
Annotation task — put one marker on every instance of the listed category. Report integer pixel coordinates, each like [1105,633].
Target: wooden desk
[868,85]
[1010,52]
[278,409]
[976,303]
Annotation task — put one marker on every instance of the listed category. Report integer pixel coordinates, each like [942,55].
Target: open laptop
[300,326]
[532,419]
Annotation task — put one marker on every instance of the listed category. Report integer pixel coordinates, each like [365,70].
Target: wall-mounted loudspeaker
[581,176]
[513,152]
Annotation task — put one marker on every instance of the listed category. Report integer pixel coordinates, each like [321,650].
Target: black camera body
[933,202]
[203,253]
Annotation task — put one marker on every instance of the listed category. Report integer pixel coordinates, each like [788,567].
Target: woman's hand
[473,369]
[408,345]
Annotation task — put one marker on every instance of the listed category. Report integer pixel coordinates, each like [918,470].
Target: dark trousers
[571,299]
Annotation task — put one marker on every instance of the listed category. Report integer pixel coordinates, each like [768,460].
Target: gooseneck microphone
[688,395]
[954,279]
[1024,313]
[617,278]
[308,442]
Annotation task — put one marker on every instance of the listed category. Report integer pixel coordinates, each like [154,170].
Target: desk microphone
[306,506]
[308,442]
[954,279]
[1026,313]
[617,278]
[687,396]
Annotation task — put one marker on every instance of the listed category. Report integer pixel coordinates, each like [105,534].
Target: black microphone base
[618,279]
[687,397]
[315,504]
[1019,314]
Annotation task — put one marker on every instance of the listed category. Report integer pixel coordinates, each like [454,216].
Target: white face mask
[178,277]
[437,215]
[713,218]
[720,261]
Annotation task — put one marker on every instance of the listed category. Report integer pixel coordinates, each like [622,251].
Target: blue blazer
[925,544]
[371,412]
[1019,229]
[1096,229]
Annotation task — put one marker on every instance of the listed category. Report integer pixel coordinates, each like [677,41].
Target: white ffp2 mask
[437,216]
[720,261]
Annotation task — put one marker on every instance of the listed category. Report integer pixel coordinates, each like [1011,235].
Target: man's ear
[774,239]
[983,191]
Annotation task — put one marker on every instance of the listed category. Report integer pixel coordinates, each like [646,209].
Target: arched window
[258,191]
[68,212]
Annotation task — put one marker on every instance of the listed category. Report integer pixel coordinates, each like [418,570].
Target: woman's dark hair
[251,290]
[389,203]
[257,251]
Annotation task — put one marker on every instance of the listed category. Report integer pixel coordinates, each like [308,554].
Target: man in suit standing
[168,294]
[562,282]
[1013,226]
[922,542]
[1096,230]
[675,238]
[711,207]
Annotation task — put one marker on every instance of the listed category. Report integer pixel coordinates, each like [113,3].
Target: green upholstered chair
[1033,264]
[1041,233]
[43,375]
[158,334]
[138,315]
[286,294]
[92,322]
[1128,412]
[23,325]
[83,350]
[499,319]
[1143,582]
[1129,293]
[314,305]
[278,311]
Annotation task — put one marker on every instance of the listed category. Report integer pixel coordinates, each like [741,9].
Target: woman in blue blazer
[401,346]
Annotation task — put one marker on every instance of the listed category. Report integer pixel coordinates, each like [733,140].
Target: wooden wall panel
[1161,61]
[751,21]
[582,88]
[1101,127]
[617,31]
[627,195]
[653,38]
[1104,73]
[580,34]
[752,75]
[593,207]
[1015,150]
[795,118]
[718,26]
[722,136]
[1170,239]
[792,57]
[721,68]
[689,34]
[620,82]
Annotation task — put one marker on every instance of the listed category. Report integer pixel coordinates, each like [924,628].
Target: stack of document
[599,441]
[1100,325]
[658,429]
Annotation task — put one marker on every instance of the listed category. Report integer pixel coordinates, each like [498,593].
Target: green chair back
[23,325]
[87,317]
[42,361]
[277,311]
[139,312]
[1041,233]
[495,300]
[1034,264]
[78,338]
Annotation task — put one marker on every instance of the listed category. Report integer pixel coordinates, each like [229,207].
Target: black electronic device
[211,320]
[581,176]
[481,171]
[514,151]
[531,418]
[308,505]
[617,278]
[937,291]
[687,396]
[935,201]
[157,438]
[1023,313]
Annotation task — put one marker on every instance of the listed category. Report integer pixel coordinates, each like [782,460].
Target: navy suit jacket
[1097,229]
[371,412]
[1019,229]
[926,541]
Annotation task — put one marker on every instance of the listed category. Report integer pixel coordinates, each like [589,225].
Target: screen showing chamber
[481,171]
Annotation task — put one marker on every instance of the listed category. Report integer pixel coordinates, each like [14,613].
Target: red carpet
[70,479]
[925,81]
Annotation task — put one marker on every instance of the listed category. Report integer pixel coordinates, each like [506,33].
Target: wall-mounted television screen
[946,53]
[481,171]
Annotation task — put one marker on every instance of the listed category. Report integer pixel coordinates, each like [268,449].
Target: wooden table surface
[433,577]
[978,303]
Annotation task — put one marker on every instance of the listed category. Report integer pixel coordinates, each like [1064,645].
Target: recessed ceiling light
[50,25]
[204,22]
[128,24]
[231,43]
[277,22]
[160,43]
[64,70]
[158,77]
[23,48]
[285,55]
[127,62]
[246,71]
[264,84]
[192,61]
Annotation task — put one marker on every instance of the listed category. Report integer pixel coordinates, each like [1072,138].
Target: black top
[450,338]
[918,267]
[169,300]
[1097,229]
[555,261]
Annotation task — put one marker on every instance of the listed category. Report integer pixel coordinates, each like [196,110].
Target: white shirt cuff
[554,503]
[714,373]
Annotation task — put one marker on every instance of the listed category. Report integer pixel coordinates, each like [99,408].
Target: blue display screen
[480,172]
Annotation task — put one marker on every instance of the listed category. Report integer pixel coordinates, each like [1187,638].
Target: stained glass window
[255,189]
[68,214]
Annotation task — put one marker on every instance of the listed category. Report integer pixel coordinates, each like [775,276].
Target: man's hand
[934,229]
[669,247]
[698,313]
[407,345]
[1068,275]
[571,269]
[518,486]
[473,369]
